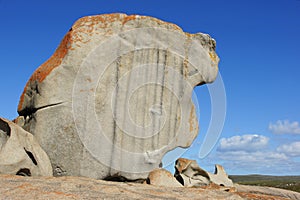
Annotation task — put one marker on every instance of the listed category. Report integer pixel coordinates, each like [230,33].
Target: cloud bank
[292,149]
[248,154]
[285,127]
[248,143]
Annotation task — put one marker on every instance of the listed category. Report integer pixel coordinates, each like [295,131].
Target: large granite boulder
[116,95]
[20,153]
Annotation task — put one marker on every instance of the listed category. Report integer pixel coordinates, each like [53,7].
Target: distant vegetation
[284,182]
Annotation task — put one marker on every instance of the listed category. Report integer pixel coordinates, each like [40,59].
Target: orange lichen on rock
[96,19]
[259,196]
[41,73]
[106,19]
[86,25]
[181,164]
[129,18]
[44,70]
[192,119]
[213,56]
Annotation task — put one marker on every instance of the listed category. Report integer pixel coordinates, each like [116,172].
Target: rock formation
[189,174]
[220,177]
[20,153]
[116,95]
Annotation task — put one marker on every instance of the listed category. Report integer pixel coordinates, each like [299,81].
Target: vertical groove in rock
[115,134]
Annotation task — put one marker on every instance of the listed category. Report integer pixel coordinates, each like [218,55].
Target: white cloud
[247,143]
[292,149]
[256,158]
[258,162]
[285,127]
[252,154]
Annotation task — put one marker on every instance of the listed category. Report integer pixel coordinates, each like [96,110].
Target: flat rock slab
[116,95]
[13,187]
[16,187]
[249,190]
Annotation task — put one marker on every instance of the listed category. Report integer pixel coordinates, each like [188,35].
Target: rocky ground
[17,187]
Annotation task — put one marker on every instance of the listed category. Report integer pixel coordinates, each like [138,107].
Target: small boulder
[162,177]
[20,153]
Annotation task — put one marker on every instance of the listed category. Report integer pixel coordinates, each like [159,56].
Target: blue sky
[258,43]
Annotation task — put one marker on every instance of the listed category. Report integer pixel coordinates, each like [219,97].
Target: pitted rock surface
[116,95]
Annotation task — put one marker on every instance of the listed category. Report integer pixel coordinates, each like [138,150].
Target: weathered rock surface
[17,187]
[20,153]
[162,177]
[248,191]
[116,95]
[189,174]
[220,177]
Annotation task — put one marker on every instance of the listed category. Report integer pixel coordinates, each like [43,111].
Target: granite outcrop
[115,96]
